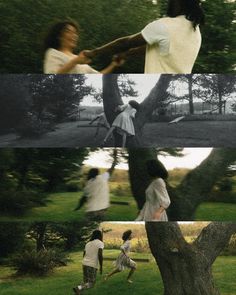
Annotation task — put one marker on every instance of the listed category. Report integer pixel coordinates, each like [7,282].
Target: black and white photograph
[118,110]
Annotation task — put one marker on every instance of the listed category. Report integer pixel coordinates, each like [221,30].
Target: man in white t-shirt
[171,43]
[92,259]
[96,195]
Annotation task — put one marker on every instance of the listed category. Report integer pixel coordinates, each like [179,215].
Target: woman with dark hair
[124,261]
[123,123]
[157,198]
[172,43]
[60,56]
[91,258]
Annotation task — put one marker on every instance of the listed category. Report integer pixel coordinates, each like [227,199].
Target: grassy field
[147,277]
[60,208]
[190,134]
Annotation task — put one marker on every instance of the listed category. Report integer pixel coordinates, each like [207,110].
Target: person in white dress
[60,57]
[157,198]
[92,257]
[123,261]
[123,123]
[171,43]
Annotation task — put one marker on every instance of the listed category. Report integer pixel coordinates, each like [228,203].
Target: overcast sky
[192,158]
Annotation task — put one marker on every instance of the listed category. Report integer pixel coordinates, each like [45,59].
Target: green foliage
[38,262]
[218,45]
[19,202]
[12,235]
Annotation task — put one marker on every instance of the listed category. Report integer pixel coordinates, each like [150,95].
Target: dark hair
[93,173]
[126,235]
[52,39]
[96,235]
[190,8]
[156,169]
[134,104]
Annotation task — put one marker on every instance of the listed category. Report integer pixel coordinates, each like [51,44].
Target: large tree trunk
[187,269]
[139,178]
[112,98]
[199,182]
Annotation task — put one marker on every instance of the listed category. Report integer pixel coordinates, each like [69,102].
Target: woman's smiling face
[69,37]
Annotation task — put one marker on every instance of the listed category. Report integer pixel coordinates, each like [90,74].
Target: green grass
[147,279]
[60,208]
[216,211]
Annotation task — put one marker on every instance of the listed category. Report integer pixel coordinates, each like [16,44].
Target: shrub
[38,262]
[18,202]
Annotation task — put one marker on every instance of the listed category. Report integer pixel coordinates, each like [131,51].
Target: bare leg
[124,140]
[109,133]
[112,273]
[97,130]
[130,274]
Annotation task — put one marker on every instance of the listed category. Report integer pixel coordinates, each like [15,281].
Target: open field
[60,208]
[183,134]
[147,277]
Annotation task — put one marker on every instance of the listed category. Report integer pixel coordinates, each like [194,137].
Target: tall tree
[112,98]
[187,268]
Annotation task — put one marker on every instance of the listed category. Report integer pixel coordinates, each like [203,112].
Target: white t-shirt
[97,192]
[91,253]
[55,59]
[173,45]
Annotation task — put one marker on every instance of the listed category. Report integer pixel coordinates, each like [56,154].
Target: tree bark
[187,269]
[139,178]
[199,182]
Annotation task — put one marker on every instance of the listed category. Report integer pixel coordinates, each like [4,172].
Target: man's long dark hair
[96,235]
[190,8]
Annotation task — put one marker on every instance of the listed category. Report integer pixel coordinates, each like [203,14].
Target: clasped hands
[86,56]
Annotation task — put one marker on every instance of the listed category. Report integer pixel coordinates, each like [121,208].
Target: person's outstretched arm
[118,45]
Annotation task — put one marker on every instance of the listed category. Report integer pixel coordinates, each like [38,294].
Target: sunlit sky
[192,158]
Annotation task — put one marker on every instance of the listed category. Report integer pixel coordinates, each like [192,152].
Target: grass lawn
[147,279]
[60,208]
[216,212]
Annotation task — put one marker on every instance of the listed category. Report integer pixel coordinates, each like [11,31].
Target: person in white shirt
[157,198]
[96,195]
[92,258]
[124,261]
[171,43]
[60,57]
[123,123]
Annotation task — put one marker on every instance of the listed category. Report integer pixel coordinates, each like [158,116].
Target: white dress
[123,261]
[124,120]
[156,197]
[55,59]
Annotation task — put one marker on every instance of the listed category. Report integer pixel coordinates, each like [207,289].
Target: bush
[38,262]
[18,202]
[121,190]
[32,126]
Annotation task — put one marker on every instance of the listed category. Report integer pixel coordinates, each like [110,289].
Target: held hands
[83,59]
[118,60]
